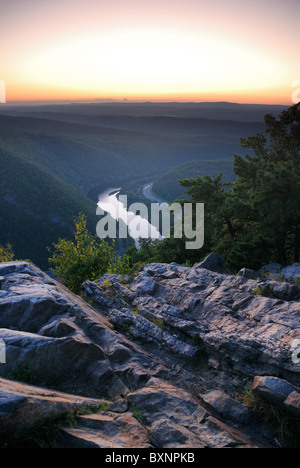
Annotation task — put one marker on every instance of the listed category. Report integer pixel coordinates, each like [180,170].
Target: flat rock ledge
[160,360]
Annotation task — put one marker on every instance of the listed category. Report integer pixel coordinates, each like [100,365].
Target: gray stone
[146,286]
[272,389]
[156,269]
[213,262]
[159,396]
[119,406]
[271,268]
[248,274]
[99,296]
[227,407]
[285,291]
[106,430]
[142,329]
[291,272]
[292,404]
[23,406]
[187,423]
[167,434]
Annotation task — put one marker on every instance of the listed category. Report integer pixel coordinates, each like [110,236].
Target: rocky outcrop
[167,351]
[240,324]
[66,344]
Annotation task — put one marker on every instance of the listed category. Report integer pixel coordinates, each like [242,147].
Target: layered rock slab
[244,324]
[23,406]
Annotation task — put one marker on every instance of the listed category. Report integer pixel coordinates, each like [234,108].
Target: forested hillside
[167,185]
[36,206]
[86,156]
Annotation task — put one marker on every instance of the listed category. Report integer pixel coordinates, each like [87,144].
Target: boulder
[227,407]
[272,389]
[276,271]
[292,404]
[248,274]
[119,406]
[291,272]
[213,262]
[271,268]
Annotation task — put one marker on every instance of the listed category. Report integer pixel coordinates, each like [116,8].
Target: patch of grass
[265,291]
[6,253]
[89,300]
[138,414]
[21,374]
[136,311]
[288,428]
[196,340]
[126,280]
[136,269]
[159,322]
[124,298]
[107,283]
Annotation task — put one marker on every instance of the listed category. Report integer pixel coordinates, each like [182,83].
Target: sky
[185,50]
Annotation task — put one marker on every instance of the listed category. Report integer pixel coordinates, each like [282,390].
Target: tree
[85,258]
[266,195]
[282,140]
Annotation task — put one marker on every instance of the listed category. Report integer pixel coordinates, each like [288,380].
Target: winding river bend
[108,201]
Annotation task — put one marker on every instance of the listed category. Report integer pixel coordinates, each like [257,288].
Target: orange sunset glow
[161,50]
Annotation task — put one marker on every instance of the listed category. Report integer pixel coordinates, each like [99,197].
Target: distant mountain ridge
[209,110]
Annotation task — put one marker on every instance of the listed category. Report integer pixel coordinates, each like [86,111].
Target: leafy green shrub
[85,258]
[265,291]
[6,253]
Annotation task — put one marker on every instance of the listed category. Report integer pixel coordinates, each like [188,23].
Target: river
[137,226]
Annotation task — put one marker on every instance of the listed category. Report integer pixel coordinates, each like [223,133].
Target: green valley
[55,160]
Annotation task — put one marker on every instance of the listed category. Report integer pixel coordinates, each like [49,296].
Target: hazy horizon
[130,101]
